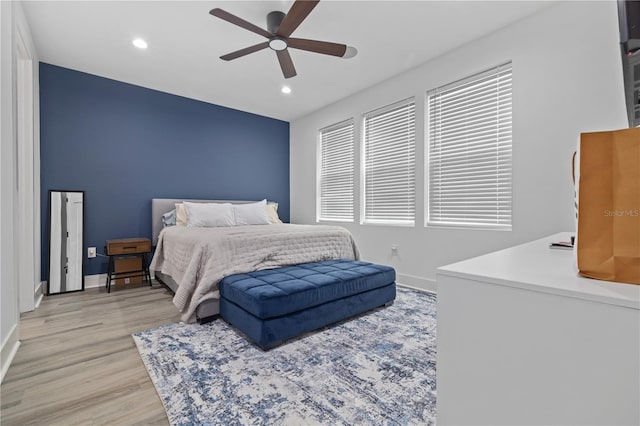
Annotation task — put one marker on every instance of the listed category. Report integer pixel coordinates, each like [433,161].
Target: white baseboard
[39,293]
[9,349]
[90,281]
[93,281]
[416,283]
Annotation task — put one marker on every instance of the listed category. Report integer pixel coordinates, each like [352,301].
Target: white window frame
[343,196]
[485,181]
[371,210]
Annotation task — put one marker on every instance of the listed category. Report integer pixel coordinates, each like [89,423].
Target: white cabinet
[522,339]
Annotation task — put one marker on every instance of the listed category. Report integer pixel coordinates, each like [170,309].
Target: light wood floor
[78,364]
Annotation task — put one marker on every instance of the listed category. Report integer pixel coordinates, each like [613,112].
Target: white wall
[567,79]
[19,181]
[8,287]
[27,122]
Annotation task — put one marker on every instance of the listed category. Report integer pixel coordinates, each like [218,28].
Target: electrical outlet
[91,252]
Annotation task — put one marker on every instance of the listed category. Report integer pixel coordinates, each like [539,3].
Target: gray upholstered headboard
[160,206]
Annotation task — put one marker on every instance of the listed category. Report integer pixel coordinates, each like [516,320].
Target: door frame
[25,241]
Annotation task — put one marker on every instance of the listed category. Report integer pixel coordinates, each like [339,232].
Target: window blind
[469,152]
[389,164]
[336,172]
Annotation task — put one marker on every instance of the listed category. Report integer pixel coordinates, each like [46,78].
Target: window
[389,164]
[336,172]
[469,138]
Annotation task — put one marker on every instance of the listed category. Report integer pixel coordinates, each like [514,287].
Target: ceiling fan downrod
[274,19]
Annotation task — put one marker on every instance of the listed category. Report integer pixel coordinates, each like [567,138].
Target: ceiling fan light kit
[280,26]
[278,43]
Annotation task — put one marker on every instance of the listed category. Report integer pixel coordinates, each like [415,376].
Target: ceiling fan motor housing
[274,19]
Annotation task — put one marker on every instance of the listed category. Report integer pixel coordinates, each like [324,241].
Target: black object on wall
[629,19]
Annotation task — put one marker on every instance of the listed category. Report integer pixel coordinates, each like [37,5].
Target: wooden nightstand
[128,261]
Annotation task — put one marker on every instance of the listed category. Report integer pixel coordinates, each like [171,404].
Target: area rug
[377,368]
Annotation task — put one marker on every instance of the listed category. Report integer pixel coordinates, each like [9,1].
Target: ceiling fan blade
[295,16]
[245,51]
[286,63]
[226,16]
[324,47]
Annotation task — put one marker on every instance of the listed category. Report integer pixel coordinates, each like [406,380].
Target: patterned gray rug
[378,368]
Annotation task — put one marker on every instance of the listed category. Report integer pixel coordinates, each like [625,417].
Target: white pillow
[251,214]
[272,212]
[181,215]
[209,214]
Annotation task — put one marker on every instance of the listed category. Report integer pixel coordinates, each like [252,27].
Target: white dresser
[522,339]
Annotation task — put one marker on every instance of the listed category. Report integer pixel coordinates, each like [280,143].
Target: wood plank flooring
[78,364]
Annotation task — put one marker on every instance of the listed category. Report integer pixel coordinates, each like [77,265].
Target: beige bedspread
[198,258]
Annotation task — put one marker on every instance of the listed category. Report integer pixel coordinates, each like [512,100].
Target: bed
[191,261]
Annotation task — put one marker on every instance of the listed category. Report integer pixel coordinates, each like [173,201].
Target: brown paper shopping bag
[608,246]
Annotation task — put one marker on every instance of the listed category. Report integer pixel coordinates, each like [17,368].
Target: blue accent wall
[124,145]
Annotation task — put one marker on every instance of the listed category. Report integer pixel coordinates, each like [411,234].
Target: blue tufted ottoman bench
[273,305]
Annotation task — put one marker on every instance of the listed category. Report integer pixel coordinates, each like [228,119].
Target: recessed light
[140,43]
[286,90]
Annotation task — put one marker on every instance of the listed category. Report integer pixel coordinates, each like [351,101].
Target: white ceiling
[185,43]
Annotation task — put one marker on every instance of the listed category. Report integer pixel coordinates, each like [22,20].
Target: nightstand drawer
[128,246]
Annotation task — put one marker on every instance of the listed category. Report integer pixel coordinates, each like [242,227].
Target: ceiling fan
[278,32]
